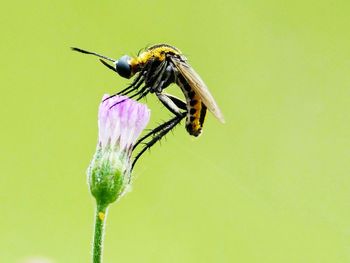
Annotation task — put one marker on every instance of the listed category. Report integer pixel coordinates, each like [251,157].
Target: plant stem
[100,218]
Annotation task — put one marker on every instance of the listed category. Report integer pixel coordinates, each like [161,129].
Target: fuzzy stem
[100,218]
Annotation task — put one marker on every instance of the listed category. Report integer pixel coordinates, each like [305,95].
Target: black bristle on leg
[158,133]
[155,130]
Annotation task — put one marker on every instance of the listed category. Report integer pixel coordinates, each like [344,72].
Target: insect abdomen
[196,110]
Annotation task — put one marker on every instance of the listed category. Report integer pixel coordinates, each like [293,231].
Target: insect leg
[140,78]
[164,129]
[176,103]
[149,87]
[137,82]
[154,131]
[131,88]
[165,79]
[156,76]
[172,103]
[142,92]
[134,85]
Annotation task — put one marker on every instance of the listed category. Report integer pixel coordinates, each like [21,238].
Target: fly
[154,70]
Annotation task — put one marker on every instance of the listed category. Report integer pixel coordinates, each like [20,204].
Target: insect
[154,70]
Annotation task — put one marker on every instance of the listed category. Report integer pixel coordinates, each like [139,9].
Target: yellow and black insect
[154,70]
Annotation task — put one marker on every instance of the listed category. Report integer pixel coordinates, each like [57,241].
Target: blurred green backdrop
[271,185]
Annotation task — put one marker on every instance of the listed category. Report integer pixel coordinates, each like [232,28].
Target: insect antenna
[92,53]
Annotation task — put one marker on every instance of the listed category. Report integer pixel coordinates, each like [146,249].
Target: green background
[270,185]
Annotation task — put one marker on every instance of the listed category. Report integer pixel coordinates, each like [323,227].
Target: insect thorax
[158,52]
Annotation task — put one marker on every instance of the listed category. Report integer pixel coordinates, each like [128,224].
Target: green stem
[100,218]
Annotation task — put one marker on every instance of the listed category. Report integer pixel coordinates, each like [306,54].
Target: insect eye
[123,67]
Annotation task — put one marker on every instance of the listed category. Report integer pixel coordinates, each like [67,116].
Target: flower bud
[120,121]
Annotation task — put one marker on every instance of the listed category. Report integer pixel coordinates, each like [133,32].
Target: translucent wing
[198,85]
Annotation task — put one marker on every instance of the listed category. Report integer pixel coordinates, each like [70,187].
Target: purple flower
[120,122]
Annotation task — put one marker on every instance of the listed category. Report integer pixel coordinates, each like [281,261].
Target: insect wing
[199,87]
